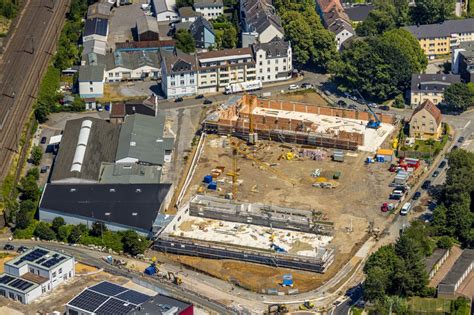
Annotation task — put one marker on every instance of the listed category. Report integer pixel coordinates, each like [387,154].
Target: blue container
[212,186]
[151,270]
[107,108]
[207,179]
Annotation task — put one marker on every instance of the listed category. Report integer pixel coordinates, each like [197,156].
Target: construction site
[247,117]
[268,205]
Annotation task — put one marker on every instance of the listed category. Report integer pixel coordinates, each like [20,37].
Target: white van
[405,209]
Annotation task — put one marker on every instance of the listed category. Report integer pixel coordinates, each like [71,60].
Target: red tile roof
[118,110]
[327,5]
[431,108]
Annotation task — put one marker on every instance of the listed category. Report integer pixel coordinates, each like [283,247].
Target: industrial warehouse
[301,123]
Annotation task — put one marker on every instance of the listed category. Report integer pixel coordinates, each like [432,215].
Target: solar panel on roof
[115,306]
[20,284]
[6,279]
[133,297]
[108,288]
[35,254]
[88,300]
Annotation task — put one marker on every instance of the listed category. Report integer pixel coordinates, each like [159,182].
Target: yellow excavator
[174,278]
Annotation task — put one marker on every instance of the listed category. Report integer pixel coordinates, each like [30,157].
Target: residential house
[91,81]
[203,33]
[210,9]
[120,207]
[147,28]
[217,69]
[110,298]
[336,21]
[260,23]
[133,65]
[425,122]
[430,87]
[37,271]
[165,10]
[358,13]
[440,39]
[187,14]
[119,111]
[463,61]
[273,60]
[96,29]
[179,74]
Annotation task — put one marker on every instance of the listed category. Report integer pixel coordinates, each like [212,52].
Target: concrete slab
[253,236]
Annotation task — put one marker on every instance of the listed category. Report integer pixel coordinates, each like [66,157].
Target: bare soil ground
[4,257]
[354,203]
[81,268]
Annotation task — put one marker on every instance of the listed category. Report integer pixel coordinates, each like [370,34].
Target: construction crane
[373,123]
[234,173]
[253,137]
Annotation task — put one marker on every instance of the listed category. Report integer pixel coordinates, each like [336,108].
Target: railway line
[23,64]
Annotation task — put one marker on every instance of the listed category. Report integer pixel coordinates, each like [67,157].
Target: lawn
[417,305]
[430,146]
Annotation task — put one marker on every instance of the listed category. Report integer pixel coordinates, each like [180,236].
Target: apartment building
[179,74]
[273,60]
[430,87]
[463,61]
[218,69]
[425,122]
[440,39]
[210,9]
[34,273]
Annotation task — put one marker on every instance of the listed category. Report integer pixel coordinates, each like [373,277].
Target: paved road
[354,295]
[94,258]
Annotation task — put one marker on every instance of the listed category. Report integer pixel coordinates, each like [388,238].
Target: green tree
[133,243]
[36,155]
[44,232]
[377,23]
[33,172]
[76,233]
[458,97]
[29,189]
[23,219]
[57,223]
[432,11]
[399,101]
[445,242]
[63,232]
[184,3]
[185,41]
[98,228]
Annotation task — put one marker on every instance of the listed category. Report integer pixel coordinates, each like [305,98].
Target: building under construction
[298,123]
[223,229]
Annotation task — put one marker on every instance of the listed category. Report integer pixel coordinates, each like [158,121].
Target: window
[60,270]
[268,62]
[117,74]
[54,274]
[2,292]
[268,69]
[191,81]
[91,89]
[19,298]
[181,82]
[276,69]
[32,270]
[111,74]
[172,83]
[260,63]
[11,295]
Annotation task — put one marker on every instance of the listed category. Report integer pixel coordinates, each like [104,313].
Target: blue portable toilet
[151,270]
[212,186]
[207,179]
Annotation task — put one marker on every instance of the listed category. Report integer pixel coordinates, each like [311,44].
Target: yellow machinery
[307,305]
[174,278]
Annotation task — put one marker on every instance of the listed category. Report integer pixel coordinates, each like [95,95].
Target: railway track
[23,65]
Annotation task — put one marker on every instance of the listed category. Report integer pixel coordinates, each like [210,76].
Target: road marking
[467,124]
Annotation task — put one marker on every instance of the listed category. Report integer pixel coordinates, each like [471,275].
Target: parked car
[406,208]
[373,105]
[454,148]
[9,247]
[43,140]
[352,106]
[461,139]
[384,107]
[435,174]
[179,99]
[44,169]
[22,249]
[342,103]
[442,164]
[100,108]
[307,85]
[199,96]
[293,87]
[426,184]
[417,195]
[207,102]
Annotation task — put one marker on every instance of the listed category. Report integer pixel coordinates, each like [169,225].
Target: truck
[243,87]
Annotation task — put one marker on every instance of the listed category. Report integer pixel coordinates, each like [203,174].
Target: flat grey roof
[443,29]
[101,147]
[457,271]
[130,174]
[130,205]
[434,258]
[141,137]
[433,82]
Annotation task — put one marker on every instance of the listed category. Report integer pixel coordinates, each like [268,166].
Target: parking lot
[123,21]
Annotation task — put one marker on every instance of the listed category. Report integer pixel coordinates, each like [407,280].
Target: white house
[35,272]
[210,9]
[91,81]
[273,60]
[132,65]
[165,10]
[260,21]
[179,74]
